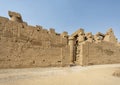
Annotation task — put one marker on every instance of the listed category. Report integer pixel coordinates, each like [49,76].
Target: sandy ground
[90,75]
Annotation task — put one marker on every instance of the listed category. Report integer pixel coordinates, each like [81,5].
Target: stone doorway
[75,46]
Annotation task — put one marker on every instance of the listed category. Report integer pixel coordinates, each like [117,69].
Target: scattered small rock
[117,73]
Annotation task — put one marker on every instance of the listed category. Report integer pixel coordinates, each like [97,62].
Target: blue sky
[68,15]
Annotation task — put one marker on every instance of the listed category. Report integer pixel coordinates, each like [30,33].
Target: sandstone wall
[100,53]
[22,45]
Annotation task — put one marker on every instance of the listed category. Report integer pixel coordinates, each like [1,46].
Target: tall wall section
[22,45]
[100,53]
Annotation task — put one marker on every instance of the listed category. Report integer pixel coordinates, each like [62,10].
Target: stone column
[71,44]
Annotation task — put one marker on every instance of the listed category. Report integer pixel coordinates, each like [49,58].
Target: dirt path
[90,75]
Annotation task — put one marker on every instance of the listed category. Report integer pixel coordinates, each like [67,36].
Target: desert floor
[77,75]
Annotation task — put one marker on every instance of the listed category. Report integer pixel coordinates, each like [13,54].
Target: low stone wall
[11,57]
[100,53]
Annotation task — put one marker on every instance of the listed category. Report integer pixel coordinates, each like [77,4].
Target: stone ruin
[86,47]
[23,45]
[15,16]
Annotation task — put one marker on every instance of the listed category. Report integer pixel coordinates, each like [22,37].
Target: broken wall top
[80,36]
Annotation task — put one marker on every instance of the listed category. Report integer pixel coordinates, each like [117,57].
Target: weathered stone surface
[110,37]
[88,49]
[98,37]
[22,45]
[14,16]
[81,36]
[89,37]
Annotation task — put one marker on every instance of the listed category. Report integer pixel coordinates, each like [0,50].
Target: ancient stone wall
[100,53]
[83,48]
[23,45]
